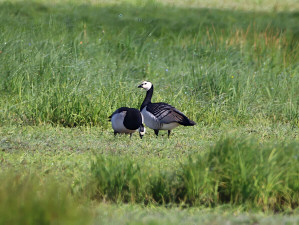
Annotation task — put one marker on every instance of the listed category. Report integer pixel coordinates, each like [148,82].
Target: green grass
[66,66]
[244,172]
[91,167]
[132,214]
[235,171]
[26,200]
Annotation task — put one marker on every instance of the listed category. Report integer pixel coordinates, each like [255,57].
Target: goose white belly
[169,126]
[117,121]
[152,122]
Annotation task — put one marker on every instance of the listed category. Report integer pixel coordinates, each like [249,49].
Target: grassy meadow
[231,66]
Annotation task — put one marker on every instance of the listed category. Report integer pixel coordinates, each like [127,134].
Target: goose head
[146,85]
[141,130]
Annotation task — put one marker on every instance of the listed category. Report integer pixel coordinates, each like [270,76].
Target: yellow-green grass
[251,5]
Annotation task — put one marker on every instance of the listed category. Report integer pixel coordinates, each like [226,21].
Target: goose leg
[169,133]
[156,132]
[115,133]
[130,135]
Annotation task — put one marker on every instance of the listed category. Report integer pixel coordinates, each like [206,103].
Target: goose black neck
[148,97]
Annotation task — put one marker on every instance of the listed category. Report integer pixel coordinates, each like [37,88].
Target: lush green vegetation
[155,176]
[25,200]
[234,171]
[65,66]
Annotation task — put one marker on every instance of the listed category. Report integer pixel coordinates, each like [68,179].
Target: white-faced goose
[161,116]
[126,121]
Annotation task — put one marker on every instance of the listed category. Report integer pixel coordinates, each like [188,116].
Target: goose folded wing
[166,113]
[118,111]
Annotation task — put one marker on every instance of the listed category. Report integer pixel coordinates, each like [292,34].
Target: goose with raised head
[126,121]
[161,116]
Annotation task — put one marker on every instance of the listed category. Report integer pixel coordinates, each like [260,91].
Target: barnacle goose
[127,120]
[161,116]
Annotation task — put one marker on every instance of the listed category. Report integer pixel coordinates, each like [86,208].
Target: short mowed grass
[66,66]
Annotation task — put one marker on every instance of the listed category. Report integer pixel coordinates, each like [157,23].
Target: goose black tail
[192,123]
[189,123]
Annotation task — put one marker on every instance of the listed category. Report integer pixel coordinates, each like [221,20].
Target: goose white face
[146,85]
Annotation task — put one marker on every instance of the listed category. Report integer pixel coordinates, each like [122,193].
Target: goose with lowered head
[126,121]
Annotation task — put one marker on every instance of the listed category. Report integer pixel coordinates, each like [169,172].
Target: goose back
[164,116]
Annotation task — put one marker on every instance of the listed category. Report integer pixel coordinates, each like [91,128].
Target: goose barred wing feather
[167,114]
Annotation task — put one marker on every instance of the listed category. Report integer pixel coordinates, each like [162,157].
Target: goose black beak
[140,86]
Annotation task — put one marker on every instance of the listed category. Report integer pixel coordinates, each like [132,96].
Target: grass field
[231,66]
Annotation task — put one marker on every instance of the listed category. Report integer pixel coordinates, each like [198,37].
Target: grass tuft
[25,200]
[235,171]
[117,180]
[241,171]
